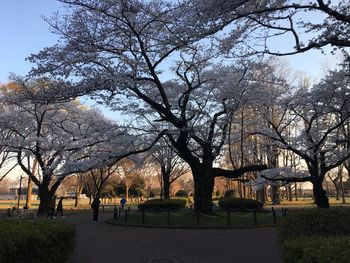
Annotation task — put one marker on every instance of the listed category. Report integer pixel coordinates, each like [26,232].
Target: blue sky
[24,32]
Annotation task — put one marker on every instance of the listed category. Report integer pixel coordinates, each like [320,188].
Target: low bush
[151,194]
[317,249]
[163,204]
[334,221]
[240,203]
[181,193]
[39,241]
[316,235]
[231,194]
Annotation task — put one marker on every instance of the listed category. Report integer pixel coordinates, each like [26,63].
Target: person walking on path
[59,208]
[122,203]
[95,206]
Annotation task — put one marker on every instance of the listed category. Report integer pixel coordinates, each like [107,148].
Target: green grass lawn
[67,203]
[184,217]
[309,201]
[84,203]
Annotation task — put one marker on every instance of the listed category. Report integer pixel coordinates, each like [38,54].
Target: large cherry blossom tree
[301,25]
[144,57]
[171,167]
[319,116]
[64,138]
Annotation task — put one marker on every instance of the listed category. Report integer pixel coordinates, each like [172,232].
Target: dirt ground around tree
[101,242]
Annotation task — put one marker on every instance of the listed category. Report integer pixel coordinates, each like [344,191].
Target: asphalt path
[106,243]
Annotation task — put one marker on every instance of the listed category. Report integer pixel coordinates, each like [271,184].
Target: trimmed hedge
[231,194]
[163,204]
[316,249]
[325,222]
[36,241]
[240,203]
[316,236]
[181,193]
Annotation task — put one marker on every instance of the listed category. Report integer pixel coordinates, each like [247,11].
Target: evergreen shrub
[41,241]
[231,194]
[181,193]
[317,249]
[240,204]
[163,204]
[316,235]
[334,221]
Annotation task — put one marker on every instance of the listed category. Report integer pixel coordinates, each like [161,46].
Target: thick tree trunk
[290,196]
[204,187]
[296,191]
[342,190]
[204,175]
[248,191]
[341,183]
[29,193]
[260,194]
[343,196]
[76,200]
[166,189]
[166,182]
[46,195]
[240,188]
[30,184]
[275,195]
[320,194]
[77,195]
[337,193]
[44,209]
[127,192]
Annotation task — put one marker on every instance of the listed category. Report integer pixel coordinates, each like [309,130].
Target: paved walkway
[101,242]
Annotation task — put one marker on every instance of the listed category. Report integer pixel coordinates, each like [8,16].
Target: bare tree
[100,177]
[127,171]
[170,164]
[77,181]
[337,178]
[5,185]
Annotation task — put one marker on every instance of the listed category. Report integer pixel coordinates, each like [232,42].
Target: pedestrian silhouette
[95,206]
[59,208]
[122,203]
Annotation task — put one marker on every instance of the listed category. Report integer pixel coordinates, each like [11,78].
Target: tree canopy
[190,66]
